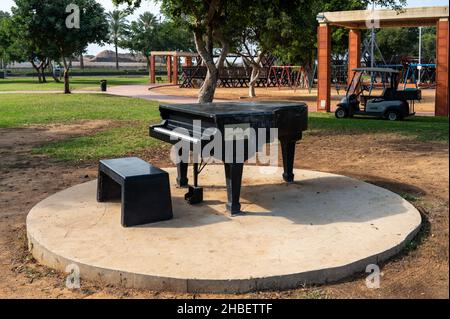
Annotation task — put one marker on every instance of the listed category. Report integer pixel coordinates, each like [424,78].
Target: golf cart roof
[382,70]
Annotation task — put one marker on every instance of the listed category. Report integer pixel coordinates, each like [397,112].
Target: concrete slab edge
[143,281]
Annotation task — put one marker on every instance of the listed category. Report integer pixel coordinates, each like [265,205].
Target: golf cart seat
[389,93]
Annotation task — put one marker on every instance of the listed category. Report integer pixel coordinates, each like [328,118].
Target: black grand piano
[290,118]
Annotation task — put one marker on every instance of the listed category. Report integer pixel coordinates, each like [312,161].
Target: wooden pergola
[356,20]
[173,59]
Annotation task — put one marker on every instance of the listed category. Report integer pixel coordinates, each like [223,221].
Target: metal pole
[372,44]
[420,55]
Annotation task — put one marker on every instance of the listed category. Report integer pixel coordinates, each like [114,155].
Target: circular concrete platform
[320,229]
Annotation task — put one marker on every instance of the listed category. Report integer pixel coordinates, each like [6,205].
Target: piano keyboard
[177,135]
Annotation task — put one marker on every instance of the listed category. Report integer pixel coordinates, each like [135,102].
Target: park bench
[143,188]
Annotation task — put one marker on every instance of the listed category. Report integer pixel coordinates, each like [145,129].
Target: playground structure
[231,75]
[357,20]
[419,74]
[235,76]
[192,73]
[291,76]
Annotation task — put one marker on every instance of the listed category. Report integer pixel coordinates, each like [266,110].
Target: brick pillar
[175,70]
[169,68]
[354,52]
[152,69]
[324,68]
[441,108]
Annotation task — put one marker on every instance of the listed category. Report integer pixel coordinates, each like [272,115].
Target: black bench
[143,188]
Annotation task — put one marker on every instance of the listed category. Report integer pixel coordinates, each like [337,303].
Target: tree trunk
[44,79]
[81,62]
[205,50]
[253,79]
[44,66]
[208,89]
[117,56]
[38,71]
[66,75]
[52,72]
[66,81]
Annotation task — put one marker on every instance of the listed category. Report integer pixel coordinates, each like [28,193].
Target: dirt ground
[416,170]
[426,105]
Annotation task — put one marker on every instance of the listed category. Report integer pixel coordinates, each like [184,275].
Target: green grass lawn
[130,133]
[24,109]
[423,128]
[89,83]
[106,144]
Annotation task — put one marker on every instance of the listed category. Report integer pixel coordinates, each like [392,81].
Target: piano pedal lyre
[195,194]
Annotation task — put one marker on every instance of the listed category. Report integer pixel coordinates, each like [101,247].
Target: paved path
[136,91]
[143,92]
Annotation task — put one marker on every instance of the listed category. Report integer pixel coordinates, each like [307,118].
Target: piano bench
[144,190]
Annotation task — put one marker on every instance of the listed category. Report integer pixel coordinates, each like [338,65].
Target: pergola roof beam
[174,53]
[407,17]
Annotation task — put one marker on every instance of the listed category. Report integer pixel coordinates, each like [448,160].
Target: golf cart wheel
[340,113]
[393,116]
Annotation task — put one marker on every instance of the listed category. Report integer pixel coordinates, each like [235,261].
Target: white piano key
[177,135]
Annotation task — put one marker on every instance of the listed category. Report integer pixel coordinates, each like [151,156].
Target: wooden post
[169,68]
[175,70]
[354,52]
[324,68]
[441,108]
[188,61]
[152,69]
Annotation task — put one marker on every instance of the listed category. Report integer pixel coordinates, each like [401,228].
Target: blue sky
[5,5]
[425,3]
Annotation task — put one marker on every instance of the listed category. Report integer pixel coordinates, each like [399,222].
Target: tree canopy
[118,27]
[148,34]
[45,25]
[400,42]
[287,27]
[5,39]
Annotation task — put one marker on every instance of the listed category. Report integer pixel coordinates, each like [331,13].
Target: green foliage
[118,26]
[262,24]
[287,28]
[44,23]
[10,50]
[300,25]
[42,26]
[402,42]
[150,34]
[4,14]
[5,41]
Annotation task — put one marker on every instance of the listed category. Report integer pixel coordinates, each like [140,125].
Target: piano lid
[229,109]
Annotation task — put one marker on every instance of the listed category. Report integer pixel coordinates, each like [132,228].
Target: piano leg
[288,152]
[233,176]
[182,169]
